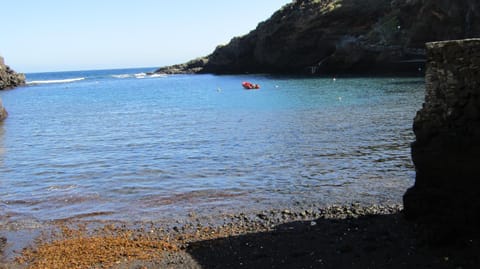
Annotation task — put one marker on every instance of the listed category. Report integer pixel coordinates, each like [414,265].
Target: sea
[123,145]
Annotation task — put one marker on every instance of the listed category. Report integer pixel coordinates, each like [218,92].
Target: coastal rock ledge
[8,79]
[446,153]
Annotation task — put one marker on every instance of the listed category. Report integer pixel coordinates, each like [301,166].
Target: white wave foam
[140,75]
[122,76]
[157,76]
[68,80]
[149,75]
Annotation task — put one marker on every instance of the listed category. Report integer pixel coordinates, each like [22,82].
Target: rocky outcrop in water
[343,36]
[191,67]
[446,153]
[8,77]
[3,112]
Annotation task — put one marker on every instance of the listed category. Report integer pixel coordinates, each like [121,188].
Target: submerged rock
[343,36]
[446,153]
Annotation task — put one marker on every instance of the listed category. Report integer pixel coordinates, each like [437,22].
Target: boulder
[446,153]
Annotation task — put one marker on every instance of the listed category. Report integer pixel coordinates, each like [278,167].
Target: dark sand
[335,237]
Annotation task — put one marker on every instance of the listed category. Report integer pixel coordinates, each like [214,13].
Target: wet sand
[352,236]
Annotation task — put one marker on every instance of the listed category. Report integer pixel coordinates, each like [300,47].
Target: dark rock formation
[8,79]
[191,67]
[343,36]
[3,112]
[446,153]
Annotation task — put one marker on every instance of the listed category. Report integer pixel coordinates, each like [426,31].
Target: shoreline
[337,236]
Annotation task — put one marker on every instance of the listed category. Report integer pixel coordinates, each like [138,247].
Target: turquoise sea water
[121,145]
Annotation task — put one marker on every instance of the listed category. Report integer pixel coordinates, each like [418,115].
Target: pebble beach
[337,236]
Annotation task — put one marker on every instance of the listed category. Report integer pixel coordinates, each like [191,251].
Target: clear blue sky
[54,35]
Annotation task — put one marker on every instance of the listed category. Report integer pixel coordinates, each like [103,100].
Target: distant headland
[342,37]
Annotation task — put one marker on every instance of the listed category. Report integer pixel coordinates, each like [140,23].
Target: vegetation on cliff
[342,36]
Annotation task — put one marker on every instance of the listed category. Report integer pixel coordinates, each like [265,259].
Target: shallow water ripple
[121,148]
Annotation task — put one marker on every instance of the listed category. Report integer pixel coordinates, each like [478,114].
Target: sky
[60,35]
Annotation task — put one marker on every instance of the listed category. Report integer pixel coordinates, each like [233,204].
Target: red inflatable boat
[250,86]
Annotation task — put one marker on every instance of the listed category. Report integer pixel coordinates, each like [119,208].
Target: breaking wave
[157,75]
[139,75]
[69,80]
[122,76]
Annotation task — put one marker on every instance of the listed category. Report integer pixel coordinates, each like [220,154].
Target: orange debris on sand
[75,248]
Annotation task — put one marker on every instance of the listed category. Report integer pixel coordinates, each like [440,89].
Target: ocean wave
[149,75]
[139,75]
[157,76]
[68,80]
[122,76]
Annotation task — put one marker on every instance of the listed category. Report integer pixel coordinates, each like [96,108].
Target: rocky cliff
[8,79]
[446,153]
[342,36]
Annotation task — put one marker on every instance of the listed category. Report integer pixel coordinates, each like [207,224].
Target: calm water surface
[119,145]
